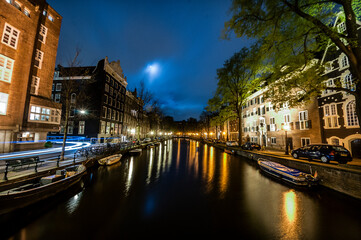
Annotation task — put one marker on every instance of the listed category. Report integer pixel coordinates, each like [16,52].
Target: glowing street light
[82,111]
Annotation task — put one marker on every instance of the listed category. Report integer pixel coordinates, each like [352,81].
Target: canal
[185,189]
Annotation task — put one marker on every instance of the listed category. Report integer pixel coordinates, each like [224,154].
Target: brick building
[97,105]
[29,32]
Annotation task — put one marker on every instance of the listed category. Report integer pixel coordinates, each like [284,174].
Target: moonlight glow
[153,70]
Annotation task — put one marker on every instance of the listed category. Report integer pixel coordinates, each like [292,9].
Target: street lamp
[286,128]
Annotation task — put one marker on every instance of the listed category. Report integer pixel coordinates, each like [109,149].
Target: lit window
[3,103]
[10,36]
[305,141]
[44,114]
[81,127]
[39,58]
[27,12]
[17,5]
[348,82]
[42,33]
[273,140]
[341,27]
[6,68]
[344,61]
[45,12]
[272,124]
[34,85]
[331,117]
[51,18]
[351,114]
[303,118]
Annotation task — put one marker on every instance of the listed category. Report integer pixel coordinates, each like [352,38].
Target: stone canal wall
[344,179]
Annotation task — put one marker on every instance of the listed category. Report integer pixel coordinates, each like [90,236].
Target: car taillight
[332,153]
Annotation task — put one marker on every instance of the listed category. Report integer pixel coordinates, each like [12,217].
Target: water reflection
[130,175]
[73,203]
[224,175]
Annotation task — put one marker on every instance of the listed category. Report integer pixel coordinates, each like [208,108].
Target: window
[104,112]
[42,33]
[53,88]
[107,130]
[58,87]
[43,114]
[102,127]
[351,114]
[272,124]
[303,118]
[73,98]
[335,141]
[34,85]
[331,117]
[348,82]
[305,141]
[39,58]
[10,36]
[285,105]
[344,61]
[287,118]
[45,12]
[27,12]
[71,127]
[3,103]
[341,27]
[273,140]
[109,113]
[57,97]
[106,88]
[17,5]
[81,127]
[51,18]
[6,68]
[105,98]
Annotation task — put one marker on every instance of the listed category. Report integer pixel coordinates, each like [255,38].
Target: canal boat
[288,174]
[229,151]
[135,151]
[110,160]
[41,188]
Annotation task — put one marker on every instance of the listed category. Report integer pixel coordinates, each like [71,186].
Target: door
[356,148]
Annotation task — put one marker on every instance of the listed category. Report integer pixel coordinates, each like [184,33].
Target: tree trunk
[239,129]
[65,133]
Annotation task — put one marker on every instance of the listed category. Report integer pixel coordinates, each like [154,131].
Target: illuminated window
[341,27]
[331,117]
[102,127]
[81,127]
[27,12]
[351,114]
[43,114]
[51,18]
[10,36]
[34,85]
[272,123]
[303,118]
[348,82]
[6,68]
[17,5]
[3,103]
[39,58]
[344,61]
[273,140]
[42,33]
[305,141]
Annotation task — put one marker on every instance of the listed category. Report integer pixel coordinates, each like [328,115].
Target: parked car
[147,140]
[324,152]
[231,143]
[251,146]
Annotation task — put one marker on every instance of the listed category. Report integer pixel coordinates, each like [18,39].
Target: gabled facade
[339,122]
[29,34]
[98,114]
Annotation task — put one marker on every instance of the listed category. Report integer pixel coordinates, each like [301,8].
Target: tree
[72,91]
[293,33]
[237,79]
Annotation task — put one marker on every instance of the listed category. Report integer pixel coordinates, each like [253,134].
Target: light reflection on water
[184,187]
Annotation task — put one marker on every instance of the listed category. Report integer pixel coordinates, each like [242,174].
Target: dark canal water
[178,191]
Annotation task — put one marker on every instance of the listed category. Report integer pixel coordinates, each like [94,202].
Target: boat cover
[282,168]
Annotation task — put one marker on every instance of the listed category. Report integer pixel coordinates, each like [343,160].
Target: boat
[230,151]
[110,160]
[288,174]
[135,151]
[41,188]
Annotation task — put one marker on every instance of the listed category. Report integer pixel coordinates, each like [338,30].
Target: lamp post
[286,128]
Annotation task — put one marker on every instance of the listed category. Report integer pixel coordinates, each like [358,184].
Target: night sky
[174,46]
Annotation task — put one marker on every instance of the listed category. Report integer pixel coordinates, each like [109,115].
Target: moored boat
[230,151]
[41,188]
[110,160]
[135,151]
[288,174]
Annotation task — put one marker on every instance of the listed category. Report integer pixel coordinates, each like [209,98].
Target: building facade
[101,109]
[339,121]
[29,32]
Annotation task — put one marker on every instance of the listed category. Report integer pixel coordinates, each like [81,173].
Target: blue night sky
[174,46]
